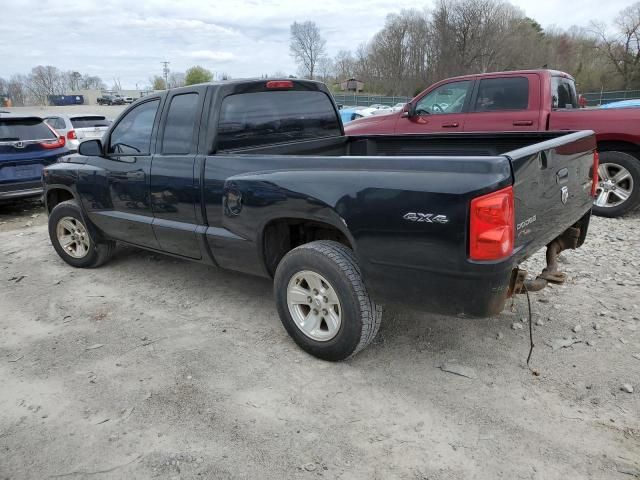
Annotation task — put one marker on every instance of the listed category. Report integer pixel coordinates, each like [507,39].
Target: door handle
[562,176]
[523,123]
[450,125]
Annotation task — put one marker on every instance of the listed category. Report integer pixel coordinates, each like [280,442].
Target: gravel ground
[151,367]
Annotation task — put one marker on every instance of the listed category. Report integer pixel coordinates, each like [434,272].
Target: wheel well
[284,234]
[620,146]
[56,196]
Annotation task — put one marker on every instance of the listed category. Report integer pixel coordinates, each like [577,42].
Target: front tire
[618,188]
[71,239]
[323,302]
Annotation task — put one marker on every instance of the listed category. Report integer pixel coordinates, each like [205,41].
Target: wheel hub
[615,185]
[72,237]
[314,305]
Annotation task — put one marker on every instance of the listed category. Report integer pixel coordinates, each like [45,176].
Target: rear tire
[71,239]
[327,273]
[613,166]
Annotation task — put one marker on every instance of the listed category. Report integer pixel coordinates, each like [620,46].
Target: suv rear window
[17,129]
[563,93]
[89,122]
[252,119]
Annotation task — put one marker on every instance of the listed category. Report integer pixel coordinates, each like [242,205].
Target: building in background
[352,85]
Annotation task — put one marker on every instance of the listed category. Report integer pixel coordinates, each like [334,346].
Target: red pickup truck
[527,100]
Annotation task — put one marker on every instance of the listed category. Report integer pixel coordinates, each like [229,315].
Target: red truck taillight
[492,225]
[594,174]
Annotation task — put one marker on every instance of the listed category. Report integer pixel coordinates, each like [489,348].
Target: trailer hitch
[519,282]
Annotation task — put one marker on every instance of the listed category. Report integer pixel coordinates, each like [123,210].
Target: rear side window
[14,130]
[89,122]
[56,122]
[251,119]
[132,135]
[181,121]
[495,94]
[563,93]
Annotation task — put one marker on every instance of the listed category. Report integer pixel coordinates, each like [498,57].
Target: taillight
[492,225]
[71,135]
[279,84]
[54,143]
[594,174]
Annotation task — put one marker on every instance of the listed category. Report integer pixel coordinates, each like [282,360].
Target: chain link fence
[601,98]
[364,100]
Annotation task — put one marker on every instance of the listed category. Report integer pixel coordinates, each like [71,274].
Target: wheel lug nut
[325,299]
[309,299]
[315,291]
[315,311]
[324,311]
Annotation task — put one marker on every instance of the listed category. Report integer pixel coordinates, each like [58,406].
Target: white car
[76,128]
[398,106]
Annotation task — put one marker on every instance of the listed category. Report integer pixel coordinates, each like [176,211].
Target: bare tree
[307,46]
[17,90]
[44,81]
[344,65]
[325,69]
[623,49]
[176,79]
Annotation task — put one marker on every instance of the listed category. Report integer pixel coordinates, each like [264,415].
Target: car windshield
[89,122]
[21,129]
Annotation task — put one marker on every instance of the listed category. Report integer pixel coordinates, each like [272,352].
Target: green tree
[157,83]
[197,74]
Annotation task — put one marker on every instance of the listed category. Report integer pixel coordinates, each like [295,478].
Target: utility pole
[165,72]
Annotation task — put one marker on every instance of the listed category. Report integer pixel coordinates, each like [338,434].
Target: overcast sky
[127,39]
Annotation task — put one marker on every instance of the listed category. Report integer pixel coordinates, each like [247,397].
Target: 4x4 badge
[425,217]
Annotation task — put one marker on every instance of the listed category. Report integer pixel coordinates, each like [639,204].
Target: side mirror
[90,148]
[408,110]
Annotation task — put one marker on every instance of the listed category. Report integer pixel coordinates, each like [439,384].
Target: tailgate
[552,188]
[90,126]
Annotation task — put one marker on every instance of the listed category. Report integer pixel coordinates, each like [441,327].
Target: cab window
[448,98]
[508,93]
[181,121]
[262,118]
[132,135]
[563,93]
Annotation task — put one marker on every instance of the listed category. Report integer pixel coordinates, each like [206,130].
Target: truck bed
[359,182]
[467,144]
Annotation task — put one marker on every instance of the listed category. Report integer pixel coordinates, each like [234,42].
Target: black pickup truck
[258,176]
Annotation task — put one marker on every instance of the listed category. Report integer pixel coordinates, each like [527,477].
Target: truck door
[174,185]
[114,188]
[507,103]
[443,109]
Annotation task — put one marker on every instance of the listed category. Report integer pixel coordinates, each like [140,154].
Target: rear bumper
[21,190]
[481,292]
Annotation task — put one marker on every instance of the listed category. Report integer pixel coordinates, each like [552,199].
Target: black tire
[632,165]
[98,252]
[360,316]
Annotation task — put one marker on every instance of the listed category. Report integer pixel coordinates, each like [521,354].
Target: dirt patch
[194,376]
